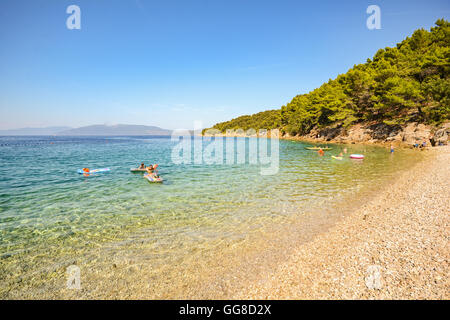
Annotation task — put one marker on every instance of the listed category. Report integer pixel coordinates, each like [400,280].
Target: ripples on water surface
[51,217]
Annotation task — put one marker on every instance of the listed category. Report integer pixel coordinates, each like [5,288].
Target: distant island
[93,130]
[116,130]
[401,95]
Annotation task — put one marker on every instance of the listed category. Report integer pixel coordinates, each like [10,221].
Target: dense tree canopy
[410,82]
[263,120]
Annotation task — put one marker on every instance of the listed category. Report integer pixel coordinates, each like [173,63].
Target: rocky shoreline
[379,133]
[363,133]
[393,247]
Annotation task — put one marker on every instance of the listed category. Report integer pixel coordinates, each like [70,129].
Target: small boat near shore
[318,148]
[337,158]
[357,156]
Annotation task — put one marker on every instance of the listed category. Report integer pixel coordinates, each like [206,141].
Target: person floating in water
[86,172]
[345,150]
[321,152]
[151,171]
[142,166]
[392,148]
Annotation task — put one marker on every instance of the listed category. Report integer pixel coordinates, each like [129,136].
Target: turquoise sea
[204,224]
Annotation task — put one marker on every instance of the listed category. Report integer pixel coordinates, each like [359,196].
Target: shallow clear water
[52,217]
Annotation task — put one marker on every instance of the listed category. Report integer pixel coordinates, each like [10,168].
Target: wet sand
[396,246]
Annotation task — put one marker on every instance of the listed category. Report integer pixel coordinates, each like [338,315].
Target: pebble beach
[384,237]
[396,246]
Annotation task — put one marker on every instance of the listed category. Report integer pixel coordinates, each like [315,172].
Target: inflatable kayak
[337,158]
[356,156]
[138,170]
[93,171]
[153,178]
[317,148]
[143,170]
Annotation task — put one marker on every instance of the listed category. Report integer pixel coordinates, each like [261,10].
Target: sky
[169,63]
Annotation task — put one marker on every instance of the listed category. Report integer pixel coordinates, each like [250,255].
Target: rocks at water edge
[409,134]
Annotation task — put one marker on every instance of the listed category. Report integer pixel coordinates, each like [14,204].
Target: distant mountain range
[48,131]
[116,130]
[94,130]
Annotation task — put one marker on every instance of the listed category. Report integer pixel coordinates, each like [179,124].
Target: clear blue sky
[168,63]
